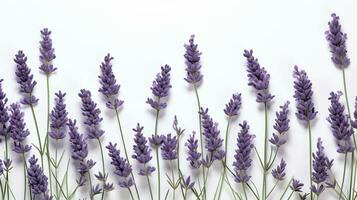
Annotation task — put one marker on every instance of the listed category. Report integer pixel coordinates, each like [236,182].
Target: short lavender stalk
[157,155]
[103,165]
[38,134]
[343,176]
[310,159]
[225,158]
[25,175]
[265,152]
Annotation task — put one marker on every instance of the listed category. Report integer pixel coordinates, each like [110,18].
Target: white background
[144,35]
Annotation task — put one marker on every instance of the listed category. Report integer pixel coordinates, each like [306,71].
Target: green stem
[310,157]
[125,150]
[103,166]
[265,152]
[56,165]
[201,137]
[131,194]
[286,188]
[343,177]
[157,156]
[7,171]
[245,193]
[148,180]
[225,158]
[272,189]
[38,133]
[25,176]
[291,194]
[90,185]
[173,180]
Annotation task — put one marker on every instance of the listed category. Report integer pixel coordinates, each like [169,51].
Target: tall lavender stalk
[160,89]
[47,55]
[305,107]
[259,79]
[337,43]
[25,79]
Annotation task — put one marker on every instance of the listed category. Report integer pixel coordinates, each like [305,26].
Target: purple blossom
[354,122]
[77,142]
[303,95]
[213,142]
[47,52]
[339,122]
[193,65]
[18,131]
[296,185]
[243,159]
[279,172]
[187,184]
[234,105]
[58,118]
[320,167]
[25,79]
[109,86]
[258,78]
[281,125]
[156,140]
[4,115]
[160,88]
[193,154]
[337,42]
[142,151]
[91,114]
[169,148]
[37,180]
[122,167]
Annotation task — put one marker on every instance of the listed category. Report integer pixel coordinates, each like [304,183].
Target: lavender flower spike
[4,115]
[281,125]
[18,129]
[337,40]
[37,180]
[109,86]
[339,122]
[193,155]
[354,122]
[242,156]
[91,114]
[296,185]
[142,151]
[25,79]
[58,118]
[258,78]
[320,166]
[47,52]
[303,96]
[233,106]
[279,172]
[160,88]
[213,141]
[192,57]
[169,148]
[79,147]
[122,167]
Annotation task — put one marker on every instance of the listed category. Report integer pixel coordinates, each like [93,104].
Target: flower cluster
[4,115]
[193,155]
[18,130]
[160,88]
[47,52]
[281,125]
[37,180]
[58,118]
[234,105]
[193,66]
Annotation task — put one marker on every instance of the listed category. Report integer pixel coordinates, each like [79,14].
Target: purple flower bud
[142,151]
[303,96]
[258,78]
[58,118]
[169,148]
[122,167]
[337,42]
[193,155]
[233,106]
[47,52]
[242,156]
[25,79]
[279,172]
[354,122]
[296,185]
[37,180]
[156,140]
[109,86]
[4,115]
[18,131]
[339,122]
[77,142]
[193,66]
[160,88]
[91,114]
[281,125]
[187,184]
[213,141]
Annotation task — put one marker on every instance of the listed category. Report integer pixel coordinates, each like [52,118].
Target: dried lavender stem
[56,167]
[291,194]
[126,152]
[173,180]
[47,130]
[265,152]
[148,180]
[286,188]
[38,134]
[25,175]
[310,158]
[131,194]
[225,158]
[7,171]
[343,177]
[102,155]
[245,193]
[157,155]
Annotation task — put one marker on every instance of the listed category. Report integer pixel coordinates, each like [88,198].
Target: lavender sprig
[4,115]
[37,180]
[58,118]
[281,126]
[18,132]
[279,172]
[193,66]
[160,88]
[192,148]
[47,52]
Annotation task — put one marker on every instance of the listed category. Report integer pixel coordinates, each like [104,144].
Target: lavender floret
[169,148]
[160,88]
[281,125]
[58,118]
[258,78]
[303,96]
[18,130]
[193,66]
[4,115]
[337,42]
[91,114]
[234,105]
[339,122]
[296,185]
[354,122]
[37,180]
[243,159]
[25,79]
[47,52]
[279,172]
[193,154]
[109,86]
